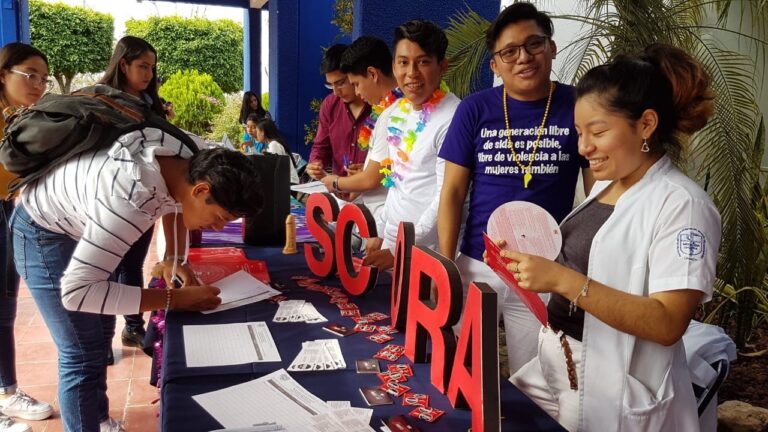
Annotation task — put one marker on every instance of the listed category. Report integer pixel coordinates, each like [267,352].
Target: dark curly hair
[235,182]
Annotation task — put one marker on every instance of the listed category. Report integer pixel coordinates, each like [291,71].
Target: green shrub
[226,122]
[265,100]
[196,100]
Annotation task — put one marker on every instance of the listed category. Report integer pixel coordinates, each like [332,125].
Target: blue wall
[378,18]
[14,21]
[298,32]
[252,50]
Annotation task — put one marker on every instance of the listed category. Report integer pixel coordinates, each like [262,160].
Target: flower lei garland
[366,130]
[396,136]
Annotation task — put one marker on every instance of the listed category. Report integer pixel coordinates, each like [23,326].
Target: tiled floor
[132,399]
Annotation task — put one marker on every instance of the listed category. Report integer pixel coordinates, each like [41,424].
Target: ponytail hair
[662,78]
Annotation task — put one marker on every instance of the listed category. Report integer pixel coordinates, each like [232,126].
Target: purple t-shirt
[477,140]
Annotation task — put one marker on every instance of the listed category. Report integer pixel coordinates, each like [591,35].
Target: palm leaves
[724,156]
[466,51]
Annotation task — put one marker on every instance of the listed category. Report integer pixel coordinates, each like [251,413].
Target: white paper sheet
[276,397]
[311,187]
[240,288]
[229,344]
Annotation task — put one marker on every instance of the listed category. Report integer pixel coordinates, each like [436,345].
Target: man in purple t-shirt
[510,159]
[342,114]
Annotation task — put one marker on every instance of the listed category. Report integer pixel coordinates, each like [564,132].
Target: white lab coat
[663,235]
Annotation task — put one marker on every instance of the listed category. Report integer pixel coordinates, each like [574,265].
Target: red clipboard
[213,264]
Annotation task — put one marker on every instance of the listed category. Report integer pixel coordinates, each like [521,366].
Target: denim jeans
[9,290]
[130,271]
[41,256]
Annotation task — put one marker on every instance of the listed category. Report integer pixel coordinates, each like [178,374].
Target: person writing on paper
[67,244]
[638,255]
[497,138]
[342,116]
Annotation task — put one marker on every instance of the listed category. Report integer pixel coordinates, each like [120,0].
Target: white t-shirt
[374,198]
[275,147]
[415,197]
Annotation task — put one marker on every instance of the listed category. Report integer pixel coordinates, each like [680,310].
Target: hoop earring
[645,148]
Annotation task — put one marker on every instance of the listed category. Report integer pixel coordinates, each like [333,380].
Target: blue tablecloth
[180,413]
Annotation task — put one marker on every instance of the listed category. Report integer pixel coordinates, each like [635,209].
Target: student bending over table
[75,224]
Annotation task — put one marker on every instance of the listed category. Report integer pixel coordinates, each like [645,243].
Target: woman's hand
[183,271]
[534,273]
[195,298]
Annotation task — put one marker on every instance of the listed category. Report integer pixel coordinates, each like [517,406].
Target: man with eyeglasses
[342,114]
[514,142]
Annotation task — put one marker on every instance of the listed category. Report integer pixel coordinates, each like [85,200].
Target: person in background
[23,80]
[342,115]
[252,106]
[514,142]
[266,132]
[368,65]
[133,69]
[251,144]
[638,255]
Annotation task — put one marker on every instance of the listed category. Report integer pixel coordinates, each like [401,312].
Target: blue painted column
[299,30]
[380,18]
[14,21]
[252,50]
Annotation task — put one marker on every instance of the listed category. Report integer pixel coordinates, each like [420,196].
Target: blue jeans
[41,256]
[9,290]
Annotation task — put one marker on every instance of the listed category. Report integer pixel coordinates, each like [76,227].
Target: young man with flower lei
[368,65]
[514,142]
[416,126]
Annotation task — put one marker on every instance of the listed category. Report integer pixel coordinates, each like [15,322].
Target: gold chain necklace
[527,176]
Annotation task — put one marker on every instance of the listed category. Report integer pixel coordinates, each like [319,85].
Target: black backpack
[59,127]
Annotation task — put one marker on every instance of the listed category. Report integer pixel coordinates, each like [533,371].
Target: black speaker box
[268,227]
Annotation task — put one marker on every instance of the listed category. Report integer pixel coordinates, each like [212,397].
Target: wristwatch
[336,184]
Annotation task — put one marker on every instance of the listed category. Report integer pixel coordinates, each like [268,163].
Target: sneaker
[111,425]
[23,406]
[7,424]
[133,337]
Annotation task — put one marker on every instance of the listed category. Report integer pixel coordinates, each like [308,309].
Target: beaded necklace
[396,135]
[366,130]
[527,176]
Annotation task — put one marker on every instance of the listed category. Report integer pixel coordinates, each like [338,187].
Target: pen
[346,161]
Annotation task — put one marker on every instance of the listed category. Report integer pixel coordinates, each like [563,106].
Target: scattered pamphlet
[374,396]
[343,420]
[367,366]
[318,355]
[240,288]
[297,311]
[339,329]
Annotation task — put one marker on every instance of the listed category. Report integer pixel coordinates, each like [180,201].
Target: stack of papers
[297,311]
[343,420]
[317,355]
[240,289]
[229,344]
[274,398]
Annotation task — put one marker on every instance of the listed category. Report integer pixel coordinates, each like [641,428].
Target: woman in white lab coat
[638,255]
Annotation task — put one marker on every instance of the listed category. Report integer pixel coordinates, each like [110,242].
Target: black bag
[267,228]
[58,127]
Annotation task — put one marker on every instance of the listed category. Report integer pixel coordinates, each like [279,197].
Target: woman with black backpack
[23,80]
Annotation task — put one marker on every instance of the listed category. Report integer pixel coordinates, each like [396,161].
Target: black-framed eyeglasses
[534,45]
[337,84]
[35,79]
